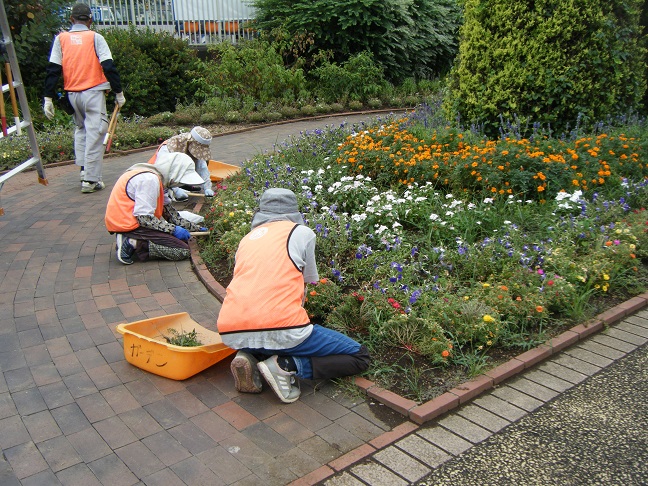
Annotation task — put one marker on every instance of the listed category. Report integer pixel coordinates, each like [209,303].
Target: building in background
[197,21]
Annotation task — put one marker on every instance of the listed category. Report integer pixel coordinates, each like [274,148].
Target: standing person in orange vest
[196,145]
[85,60]
[263,314]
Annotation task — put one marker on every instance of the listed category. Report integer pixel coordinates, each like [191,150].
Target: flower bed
[445,252]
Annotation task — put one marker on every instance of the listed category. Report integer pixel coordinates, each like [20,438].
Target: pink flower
[540,271]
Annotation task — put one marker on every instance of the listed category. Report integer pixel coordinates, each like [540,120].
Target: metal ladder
[16,87]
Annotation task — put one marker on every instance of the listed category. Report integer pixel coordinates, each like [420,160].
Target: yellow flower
[606,276]
[486,285]
[488,318]
[231,214]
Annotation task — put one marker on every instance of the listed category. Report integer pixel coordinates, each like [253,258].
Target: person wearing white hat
[140,213]
[263,316]
[196,145]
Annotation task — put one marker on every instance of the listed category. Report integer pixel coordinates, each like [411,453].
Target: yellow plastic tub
[146,347]
[220,170]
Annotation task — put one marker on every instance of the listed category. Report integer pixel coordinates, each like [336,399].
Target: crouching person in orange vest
[140,213]
[263,315]
[196,145]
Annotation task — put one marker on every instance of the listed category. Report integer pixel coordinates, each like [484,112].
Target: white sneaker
[87,187]
[82,175]
[280,380]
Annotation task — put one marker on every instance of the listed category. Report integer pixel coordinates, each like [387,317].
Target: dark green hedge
[157,70]
[547,61]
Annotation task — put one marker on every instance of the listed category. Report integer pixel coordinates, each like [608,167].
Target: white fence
[197,21]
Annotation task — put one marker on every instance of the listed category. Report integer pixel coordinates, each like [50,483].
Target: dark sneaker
[281,381]
[247,378]
[87,187]
[124,250]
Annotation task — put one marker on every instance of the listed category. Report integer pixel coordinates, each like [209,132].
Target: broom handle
[111,128]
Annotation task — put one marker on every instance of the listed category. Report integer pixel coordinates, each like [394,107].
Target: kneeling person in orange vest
[196,145]
[139,210]
[263,314]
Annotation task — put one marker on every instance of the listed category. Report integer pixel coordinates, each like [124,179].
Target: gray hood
[277,204]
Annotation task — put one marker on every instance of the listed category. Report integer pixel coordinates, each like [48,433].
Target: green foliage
[251,70]
[157,70]
[408,37]
[359,79]
[33,27]
[543,61]
[438,266]
[188,339]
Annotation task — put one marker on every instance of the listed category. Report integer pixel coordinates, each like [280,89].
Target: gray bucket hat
[277,204]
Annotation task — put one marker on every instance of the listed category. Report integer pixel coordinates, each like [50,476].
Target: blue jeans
[321,342]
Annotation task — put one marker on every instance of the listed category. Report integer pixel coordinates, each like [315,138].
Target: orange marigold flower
[445,353]
[539,308]
[323,280]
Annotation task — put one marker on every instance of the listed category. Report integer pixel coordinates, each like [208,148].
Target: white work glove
[48,108]
[119,98]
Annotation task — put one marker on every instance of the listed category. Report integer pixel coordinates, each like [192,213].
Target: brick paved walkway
[73,411]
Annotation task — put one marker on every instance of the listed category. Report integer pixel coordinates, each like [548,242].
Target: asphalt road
[594,434]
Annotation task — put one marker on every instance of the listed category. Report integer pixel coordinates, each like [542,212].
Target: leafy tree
[33,26]
[547,61]
[408,37]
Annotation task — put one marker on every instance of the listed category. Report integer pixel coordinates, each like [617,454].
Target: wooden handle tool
[112,126]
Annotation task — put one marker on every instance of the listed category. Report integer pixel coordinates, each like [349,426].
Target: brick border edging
[463,393]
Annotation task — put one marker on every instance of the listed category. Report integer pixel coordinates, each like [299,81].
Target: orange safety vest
[81,67]
[119,211]
[154,157]
[267,288]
